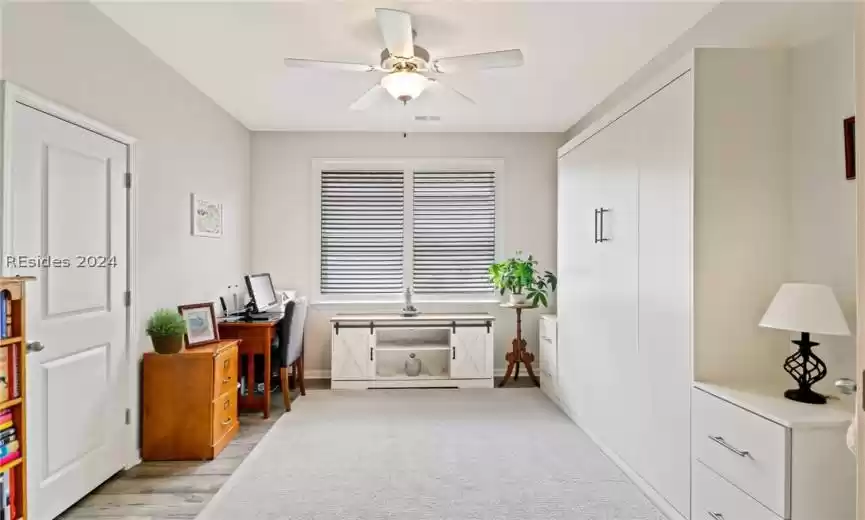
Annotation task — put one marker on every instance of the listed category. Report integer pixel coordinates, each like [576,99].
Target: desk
[256,338]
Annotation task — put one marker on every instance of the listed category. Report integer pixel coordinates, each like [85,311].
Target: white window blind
[361,232]
[454,233]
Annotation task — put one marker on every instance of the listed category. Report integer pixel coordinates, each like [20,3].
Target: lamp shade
[806,307]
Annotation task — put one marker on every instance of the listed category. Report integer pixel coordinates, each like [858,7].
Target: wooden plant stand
[519,354]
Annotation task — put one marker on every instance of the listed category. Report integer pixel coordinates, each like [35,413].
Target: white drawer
[714,498]
[746,449]
[547,328]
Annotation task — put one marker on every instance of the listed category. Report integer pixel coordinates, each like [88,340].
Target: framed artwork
[850,146]
[200,321]
[206,217]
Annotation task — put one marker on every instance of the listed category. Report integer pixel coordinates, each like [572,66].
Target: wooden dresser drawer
[225,372]
[713,498]
[224,415]
[748,450]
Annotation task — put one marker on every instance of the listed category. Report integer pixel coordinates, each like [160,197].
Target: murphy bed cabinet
[370,351]
[671,244]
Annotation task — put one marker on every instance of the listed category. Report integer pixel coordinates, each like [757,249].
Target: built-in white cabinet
[759,456]
[671,233]
[430,350]
[549,353]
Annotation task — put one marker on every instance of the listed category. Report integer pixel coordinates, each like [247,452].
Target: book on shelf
[14,371]
[4,331]
[4,373]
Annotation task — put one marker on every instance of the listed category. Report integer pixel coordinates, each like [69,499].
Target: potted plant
[520,277]
[166,329]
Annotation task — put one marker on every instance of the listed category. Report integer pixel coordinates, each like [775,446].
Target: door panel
[351,354]
[663,123]
[578,198]
[69,208]
[470,347]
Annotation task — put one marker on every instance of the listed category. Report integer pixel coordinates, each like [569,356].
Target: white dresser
[372,350]
[759,456]
[548,347]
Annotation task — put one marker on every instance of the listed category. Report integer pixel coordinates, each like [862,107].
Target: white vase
[517,299]
[412,366]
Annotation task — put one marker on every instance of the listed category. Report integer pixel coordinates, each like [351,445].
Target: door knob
[35,346]
[846,386]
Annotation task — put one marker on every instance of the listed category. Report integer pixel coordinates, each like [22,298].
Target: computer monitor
[260,289]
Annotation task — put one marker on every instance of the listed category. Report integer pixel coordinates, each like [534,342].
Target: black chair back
[285,334]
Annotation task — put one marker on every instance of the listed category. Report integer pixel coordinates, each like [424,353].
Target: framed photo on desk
[200,321]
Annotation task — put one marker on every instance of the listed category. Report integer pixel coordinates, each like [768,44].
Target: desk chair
[288,347]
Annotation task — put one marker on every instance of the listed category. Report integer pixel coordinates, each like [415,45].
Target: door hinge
[127,298]
[128,416]
[128,179]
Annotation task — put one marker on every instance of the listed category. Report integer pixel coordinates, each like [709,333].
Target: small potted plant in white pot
[521,279]
[166,329]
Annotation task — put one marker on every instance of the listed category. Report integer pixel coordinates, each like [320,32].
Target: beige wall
[282,241]
[822,247]
[74,55]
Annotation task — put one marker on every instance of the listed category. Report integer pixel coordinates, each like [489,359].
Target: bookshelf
[13,399]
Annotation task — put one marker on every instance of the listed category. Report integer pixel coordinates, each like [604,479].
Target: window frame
[408,166]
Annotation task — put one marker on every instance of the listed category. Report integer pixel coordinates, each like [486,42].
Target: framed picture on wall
[200,321]
[206,217]
[850,146]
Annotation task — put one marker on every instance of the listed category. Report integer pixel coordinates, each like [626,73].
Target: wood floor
[165,490]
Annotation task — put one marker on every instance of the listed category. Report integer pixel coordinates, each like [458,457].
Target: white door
[470,348]
[352,355]
[69,206]
[859,434]
[663,147]
[578,201]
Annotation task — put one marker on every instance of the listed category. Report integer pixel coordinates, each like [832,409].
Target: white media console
[371,350]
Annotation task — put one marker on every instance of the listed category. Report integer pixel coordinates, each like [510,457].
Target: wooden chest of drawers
[189,402]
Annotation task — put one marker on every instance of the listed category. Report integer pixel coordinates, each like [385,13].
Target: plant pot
[167,344]
[517,299]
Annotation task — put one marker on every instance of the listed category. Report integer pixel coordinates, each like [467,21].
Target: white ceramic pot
[517,299]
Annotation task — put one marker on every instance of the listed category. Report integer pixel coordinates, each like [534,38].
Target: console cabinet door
[351,358]
[471,349]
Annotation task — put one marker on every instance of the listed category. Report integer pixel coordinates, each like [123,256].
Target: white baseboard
[325,373]
[659,501]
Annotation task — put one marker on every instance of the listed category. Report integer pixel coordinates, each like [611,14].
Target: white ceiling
[576,53]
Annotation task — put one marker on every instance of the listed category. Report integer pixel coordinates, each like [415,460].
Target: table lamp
[806,308]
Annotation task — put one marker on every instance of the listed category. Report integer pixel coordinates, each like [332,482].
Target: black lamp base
[805,395]
[807,369]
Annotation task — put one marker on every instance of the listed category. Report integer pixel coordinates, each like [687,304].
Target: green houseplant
[521,278]
[166,329]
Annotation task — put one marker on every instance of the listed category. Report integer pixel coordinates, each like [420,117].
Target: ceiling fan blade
[438,84]
[328,65]
[484,60]
[372,96]
[396,30]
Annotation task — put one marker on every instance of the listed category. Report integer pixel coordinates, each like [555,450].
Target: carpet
[506,454]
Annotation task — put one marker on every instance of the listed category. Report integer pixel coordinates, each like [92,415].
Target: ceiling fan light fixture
[404,85]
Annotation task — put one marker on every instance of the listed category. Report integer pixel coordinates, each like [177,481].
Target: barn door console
[433,351]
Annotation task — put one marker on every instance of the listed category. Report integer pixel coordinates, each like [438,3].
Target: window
[454,237]
[362,225]
[430,225]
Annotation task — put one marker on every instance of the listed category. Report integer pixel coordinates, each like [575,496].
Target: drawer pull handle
[226,422]
[225,364]
[545,338]
[720,440]
[225,404]
[226,380]
[715,516]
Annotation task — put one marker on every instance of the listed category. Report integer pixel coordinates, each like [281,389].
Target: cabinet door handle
[720,440]
[601,237]
[715,516]
[596,226]
[226,422]
[453,352]
[370,353]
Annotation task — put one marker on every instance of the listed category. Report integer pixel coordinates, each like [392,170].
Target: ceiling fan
[407,64]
